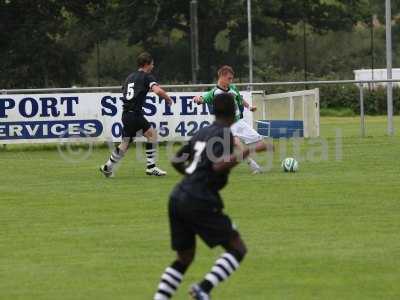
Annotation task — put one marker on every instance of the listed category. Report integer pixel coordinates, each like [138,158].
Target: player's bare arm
[179,161]
[248,106]
[163,94]
[232,160]
[198,99]
[178,165]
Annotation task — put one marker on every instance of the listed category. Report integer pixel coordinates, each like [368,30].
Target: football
[289,164]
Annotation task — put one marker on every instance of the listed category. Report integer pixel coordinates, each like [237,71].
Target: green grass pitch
[330,231]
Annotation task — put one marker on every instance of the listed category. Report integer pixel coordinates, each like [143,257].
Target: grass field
[330,231]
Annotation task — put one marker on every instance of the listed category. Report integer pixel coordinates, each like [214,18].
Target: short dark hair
[224,70]
[224,106]
[143,59]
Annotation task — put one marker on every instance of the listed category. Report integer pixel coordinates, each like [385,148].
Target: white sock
[222,269]
[252,164]
[170,281]
[115,157]
[151,155]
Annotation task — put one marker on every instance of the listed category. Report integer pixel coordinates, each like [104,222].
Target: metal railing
[197,86]
[248,86]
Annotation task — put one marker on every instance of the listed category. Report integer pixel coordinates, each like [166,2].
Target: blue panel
[50,129]
[281,128]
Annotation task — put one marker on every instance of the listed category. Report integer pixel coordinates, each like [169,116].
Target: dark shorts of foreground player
[188,220]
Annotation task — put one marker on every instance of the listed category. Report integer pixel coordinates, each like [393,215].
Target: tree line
[62,43]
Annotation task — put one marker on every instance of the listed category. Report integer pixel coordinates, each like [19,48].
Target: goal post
[287,114]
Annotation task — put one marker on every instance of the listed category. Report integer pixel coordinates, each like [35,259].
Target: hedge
[348,96]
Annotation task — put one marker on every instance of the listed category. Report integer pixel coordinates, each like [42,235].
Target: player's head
[145,61]
[225,74]
[224,108]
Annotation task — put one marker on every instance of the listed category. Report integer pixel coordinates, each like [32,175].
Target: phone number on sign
[183,128]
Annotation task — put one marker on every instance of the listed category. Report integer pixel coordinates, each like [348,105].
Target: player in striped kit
[196,207]
[135,89]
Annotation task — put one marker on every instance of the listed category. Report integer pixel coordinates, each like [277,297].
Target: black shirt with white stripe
[135,89]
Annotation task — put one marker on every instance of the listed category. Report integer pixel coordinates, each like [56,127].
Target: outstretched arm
[247,105]
[198,99]
[232,160]
[207,97]
[163,94]
[179,161]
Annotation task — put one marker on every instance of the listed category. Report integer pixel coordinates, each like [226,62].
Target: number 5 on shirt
[131,92]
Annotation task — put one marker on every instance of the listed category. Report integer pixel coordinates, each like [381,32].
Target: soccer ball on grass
[289,164]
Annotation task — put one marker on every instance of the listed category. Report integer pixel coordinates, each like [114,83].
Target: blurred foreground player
[196,207]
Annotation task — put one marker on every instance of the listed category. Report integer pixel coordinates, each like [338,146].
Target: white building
[377,74]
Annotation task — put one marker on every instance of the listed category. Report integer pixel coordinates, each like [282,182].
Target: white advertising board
[49,118]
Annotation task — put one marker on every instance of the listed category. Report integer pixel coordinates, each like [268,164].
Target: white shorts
[245,132]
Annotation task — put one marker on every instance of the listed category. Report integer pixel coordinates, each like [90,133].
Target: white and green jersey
[208,97]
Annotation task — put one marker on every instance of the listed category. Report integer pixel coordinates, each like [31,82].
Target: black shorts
[186,221]
[134,124]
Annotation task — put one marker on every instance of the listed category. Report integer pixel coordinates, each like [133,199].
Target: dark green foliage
[45,43]
[348,96]
[336,112]
[54,43]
